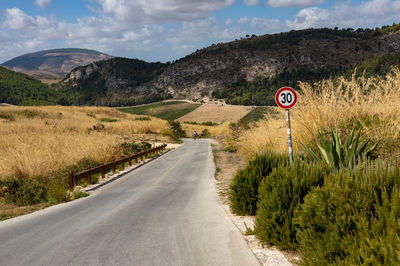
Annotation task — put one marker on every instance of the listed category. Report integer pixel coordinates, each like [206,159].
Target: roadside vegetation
[339,203]
[40,145]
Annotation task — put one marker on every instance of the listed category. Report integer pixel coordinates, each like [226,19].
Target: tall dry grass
[38,140]
[373,102]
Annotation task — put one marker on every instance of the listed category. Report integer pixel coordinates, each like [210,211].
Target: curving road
[164,213]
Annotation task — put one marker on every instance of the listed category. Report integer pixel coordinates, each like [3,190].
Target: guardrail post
[123,165]
[71,180]
[114,169]
[130,162]
[103,174]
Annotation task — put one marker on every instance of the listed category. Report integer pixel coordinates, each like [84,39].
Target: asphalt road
[164,213]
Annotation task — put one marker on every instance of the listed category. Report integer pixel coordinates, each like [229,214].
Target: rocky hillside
[223,65]
[115,82]
[309,53]
[56,63]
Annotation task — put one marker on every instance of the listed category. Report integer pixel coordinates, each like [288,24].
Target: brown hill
[54,64]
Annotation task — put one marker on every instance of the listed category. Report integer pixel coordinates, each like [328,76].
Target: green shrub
[143,118]
[281,193]
[353,219]
[206,133]
[79,194]
[57,191]
[176,130]
[129,148]
[23,192]
[7,116]
[29,113]
[243,193]
[94,179]
[110,120]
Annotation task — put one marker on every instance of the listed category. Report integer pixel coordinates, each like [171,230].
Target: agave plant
[337,155]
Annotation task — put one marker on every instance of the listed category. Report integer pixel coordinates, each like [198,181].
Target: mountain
[55,63]
[117,81]
[246,71]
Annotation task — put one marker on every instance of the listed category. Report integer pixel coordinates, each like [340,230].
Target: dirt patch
[216,113]
[227,164]
[8,211]
[49,81]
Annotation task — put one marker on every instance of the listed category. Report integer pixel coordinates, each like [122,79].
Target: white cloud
[291,3]
[43,3]
[18,20]
[243,20]
[252,2]
[201,33]
[347,15]
[143,35]
[310,17]
[268,25]
[160,11]
[381,9]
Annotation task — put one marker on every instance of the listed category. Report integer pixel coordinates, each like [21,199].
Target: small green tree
[176,130]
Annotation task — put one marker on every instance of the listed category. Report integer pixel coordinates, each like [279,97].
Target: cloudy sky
[164,30]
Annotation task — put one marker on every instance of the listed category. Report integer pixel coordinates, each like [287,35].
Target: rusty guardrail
[73,178]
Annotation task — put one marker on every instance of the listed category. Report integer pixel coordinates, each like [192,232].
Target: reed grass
[370,103]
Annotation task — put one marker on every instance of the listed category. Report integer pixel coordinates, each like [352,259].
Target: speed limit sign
[286,97]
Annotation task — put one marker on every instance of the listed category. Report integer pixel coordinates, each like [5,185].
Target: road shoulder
[227,164]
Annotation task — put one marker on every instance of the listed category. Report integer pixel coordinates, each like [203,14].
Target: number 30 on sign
[286,97]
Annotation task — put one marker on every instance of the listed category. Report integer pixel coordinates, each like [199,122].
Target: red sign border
[284,89]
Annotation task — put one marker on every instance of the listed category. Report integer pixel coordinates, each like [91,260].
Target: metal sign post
[286,98]
[289,133]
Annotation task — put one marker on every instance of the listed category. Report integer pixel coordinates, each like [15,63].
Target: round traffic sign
[286,97]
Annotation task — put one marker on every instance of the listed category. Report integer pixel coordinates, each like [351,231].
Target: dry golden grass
[43,139]
[373,102]
[214,130]
[216,113]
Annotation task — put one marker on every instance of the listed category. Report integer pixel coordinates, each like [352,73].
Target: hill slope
[114,82]
[55,63]
[229,70]
[21,89]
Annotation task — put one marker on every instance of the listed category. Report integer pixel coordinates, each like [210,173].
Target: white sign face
[286,97]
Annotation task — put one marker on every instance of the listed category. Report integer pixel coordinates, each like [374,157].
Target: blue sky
[165,30]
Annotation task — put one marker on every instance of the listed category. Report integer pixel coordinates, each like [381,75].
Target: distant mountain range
[55,63]
[246,71]
[250,70]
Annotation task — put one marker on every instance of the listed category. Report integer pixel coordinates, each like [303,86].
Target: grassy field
[164,110]
[256,114]
[38,140]
[216,113]
[371,104]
